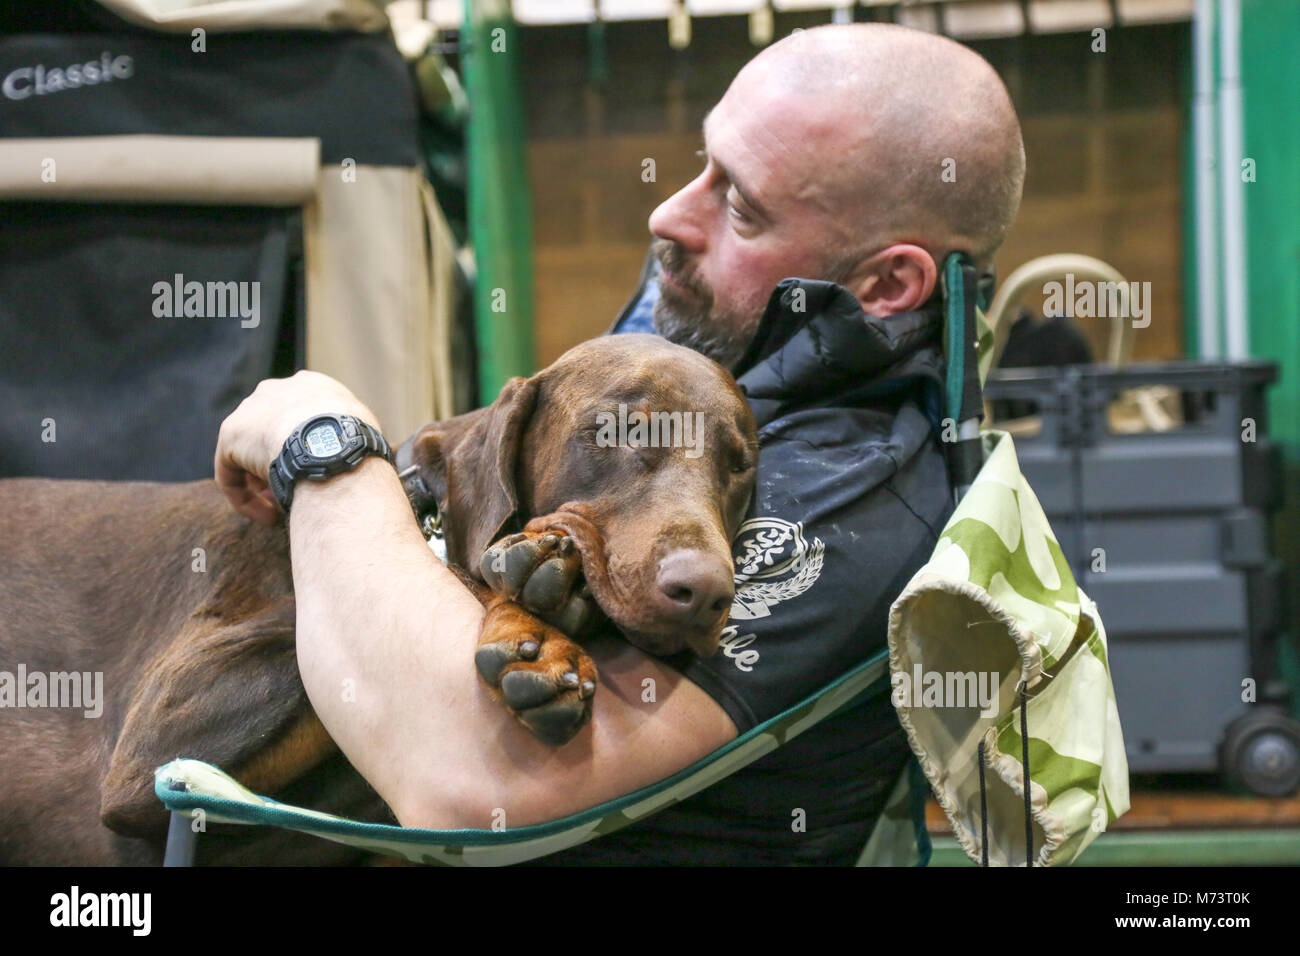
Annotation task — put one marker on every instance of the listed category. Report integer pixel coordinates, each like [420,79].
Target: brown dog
[186,609]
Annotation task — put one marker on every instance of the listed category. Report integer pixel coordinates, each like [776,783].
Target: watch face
[322,440]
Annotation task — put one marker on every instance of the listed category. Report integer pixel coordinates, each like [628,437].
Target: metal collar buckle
[421,501]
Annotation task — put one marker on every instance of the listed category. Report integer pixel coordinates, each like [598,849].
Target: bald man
[860,154]
[847,161]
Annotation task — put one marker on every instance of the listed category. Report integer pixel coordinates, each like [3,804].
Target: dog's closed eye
[740,460]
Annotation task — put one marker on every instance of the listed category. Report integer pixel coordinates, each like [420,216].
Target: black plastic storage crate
[1169,532]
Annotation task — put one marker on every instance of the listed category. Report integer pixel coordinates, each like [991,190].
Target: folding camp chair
[981,611]
[189,786]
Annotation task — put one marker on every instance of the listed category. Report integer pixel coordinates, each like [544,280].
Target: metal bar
[500,205]
[1236,319]
[181,840]
[1204,136]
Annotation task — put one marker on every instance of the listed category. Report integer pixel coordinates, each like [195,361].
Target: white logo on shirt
[774,562]
[731,645]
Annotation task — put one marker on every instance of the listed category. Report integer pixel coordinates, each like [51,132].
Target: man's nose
[680,218]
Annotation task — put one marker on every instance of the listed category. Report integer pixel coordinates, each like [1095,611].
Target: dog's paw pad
[556,723]
[490,660]
[541,570]
[549,586]
[523,689]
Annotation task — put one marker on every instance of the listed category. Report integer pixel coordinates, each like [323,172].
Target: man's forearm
[386,639]
[379,619]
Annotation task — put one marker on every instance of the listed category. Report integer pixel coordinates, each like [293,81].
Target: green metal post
[1270,37]
[1270,76]
[500,203]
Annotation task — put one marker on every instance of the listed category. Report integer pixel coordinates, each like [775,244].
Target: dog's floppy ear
[470,463]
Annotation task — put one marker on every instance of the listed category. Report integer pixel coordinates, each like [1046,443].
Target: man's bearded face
[686,312]
[759,211]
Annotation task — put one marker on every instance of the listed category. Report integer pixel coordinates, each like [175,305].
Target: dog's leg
[226,692]
[535,598]
[537,673]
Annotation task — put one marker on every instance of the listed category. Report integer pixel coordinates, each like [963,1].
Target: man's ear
[897,279]
[479,465]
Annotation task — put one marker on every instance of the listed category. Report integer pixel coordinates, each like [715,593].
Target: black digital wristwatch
[321,447]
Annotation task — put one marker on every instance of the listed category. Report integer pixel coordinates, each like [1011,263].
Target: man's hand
[253,434]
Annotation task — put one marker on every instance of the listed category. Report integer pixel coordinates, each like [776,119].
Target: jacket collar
[815,345]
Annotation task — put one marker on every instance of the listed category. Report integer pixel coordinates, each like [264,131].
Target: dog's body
[191,626]
[187,609]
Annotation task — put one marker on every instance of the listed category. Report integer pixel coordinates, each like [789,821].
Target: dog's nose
[694,587]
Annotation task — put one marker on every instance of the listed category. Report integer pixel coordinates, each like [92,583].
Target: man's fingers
[262,510]
[238,462]
[252,505]
[247,494]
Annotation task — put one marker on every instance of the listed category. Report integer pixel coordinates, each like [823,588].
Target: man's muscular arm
[386,638]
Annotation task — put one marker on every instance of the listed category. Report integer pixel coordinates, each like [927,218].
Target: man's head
[862,154]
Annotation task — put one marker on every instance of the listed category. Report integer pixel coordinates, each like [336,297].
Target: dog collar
[425,508]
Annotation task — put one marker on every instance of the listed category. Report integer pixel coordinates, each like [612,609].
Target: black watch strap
[321,447]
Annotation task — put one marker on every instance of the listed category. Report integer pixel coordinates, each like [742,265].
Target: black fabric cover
[1053,341]
[132,395]
[352,91]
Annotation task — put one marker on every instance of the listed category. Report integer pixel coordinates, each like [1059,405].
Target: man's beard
[688,318]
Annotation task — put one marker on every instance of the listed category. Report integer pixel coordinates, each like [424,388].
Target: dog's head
[644,451]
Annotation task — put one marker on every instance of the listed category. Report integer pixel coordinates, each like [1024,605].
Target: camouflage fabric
[995,605]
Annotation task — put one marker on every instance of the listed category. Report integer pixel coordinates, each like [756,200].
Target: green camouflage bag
[996,605]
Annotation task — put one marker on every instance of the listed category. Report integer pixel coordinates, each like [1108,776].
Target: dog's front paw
[542,677]
[542,571]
